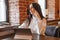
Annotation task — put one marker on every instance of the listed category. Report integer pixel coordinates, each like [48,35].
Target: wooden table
[48,38]
[7,32]
[41,37]
[35,37]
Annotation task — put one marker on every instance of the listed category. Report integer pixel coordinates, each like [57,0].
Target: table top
[48,38]
[44,37]
[37,37]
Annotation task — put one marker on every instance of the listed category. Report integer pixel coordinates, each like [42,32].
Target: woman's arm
[42,27]
[24,24]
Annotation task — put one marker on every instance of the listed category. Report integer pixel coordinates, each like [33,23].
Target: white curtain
[2,10]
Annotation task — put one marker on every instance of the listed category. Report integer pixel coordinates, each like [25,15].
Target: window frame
[7,10]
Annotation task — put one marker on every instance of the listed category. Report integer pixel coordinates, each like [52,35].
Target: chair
[51,31]
[57,33]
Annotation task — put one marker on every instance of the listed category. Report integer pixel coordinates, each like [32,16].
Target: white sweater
[33,25]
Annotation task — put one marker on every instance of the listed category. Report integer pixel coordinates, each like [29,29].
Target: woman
[35,21]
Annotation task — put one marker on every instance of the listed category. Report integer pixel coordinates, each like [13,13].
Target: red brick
[23,9]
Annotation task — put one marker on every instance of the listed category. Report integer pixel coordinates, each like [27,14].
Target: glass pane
[2,10]
[42,4]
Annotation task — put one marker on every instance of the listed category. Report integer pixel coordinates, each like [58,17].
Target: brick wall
[56,9]
[14,12]
[18,10]
[51,9]
[59,8]
[23,4]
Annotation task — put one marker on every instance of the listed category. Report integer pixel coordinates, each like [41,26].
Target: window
[42,4]
[3,12]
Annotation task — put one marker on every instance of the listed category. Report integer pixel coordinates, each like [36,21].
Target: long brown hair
[37,7]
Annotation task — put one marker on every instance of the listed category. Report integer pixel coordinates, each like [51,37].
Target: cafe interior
[13,14]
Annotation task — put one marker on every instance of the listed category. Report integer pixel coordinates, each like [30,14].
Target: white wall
[42,4]
[2,11]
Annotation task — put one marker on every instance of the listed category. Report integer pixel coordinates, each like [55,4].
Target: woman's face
[34,12]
